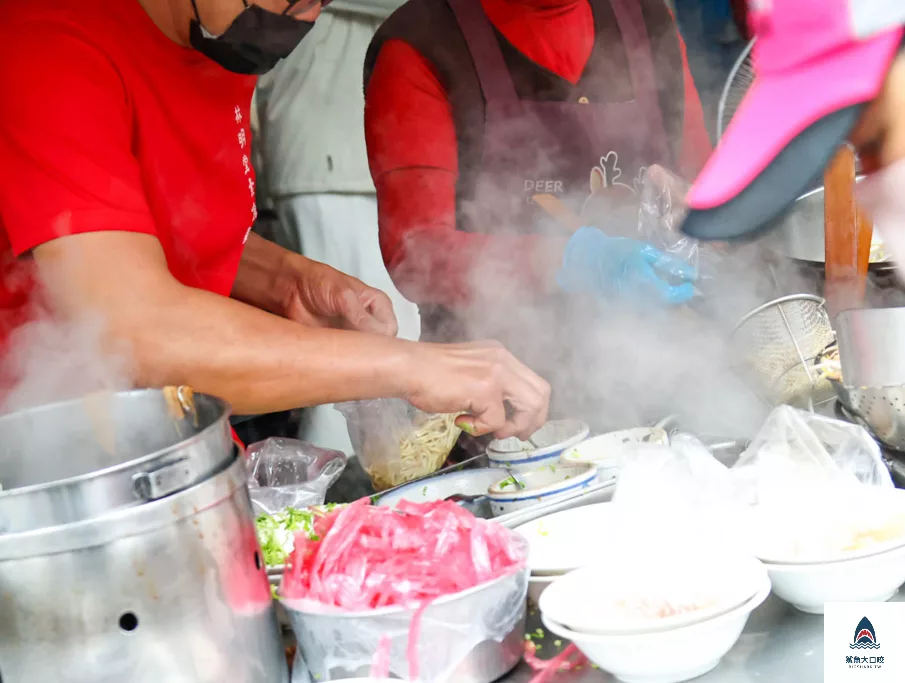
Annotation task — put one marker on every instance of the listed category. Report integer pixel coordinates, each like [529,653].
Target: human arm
[412,152]
[696,146]
[260,362]
[281,282]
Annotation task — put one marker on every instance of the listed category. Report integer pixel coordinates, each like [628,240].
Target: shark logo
[865,636]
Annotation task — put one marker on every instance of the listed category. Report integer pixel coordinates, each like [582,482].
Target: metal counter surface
[779,645]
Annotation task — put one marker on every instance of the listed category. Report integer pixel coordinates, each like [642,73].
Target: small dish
[610,450]
[548,444]
[524,489]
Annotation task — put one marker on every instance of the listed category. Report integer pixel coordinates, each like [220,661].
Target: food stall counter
[779,645]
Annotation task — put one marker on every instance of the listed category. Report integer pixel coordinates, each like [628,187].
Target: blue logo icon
[865,636]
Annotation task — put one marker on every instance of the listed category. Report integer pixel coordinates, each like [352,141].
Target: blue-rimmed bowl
[523,489]
[465,483]
[546,445]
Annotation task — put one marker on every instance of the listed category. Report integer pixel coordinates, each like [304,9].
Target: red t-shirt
[412,150]
[106,124]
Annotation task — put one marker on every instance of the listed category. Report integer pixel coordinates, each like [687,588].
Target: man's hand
[320,296]
[307,292]
[500,395]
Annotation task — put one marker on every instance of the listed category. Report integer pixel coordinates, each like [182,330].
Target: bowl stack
[644,638]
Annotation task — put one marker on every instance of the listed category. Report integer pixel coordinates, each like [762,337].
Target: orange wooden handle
[558,211]
[848,235]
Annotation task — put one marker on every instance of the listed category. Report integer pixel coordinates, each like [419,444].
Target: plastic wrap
[661,211]
[286,473]
[675,544]
[819,487]
[797,450]
[418,586]
[396,442]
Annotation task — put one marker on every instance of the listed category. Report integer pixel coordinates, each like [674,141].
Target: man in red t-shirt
[127,194]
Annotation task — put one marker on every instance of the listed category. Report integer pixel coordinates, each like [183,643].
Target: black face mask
[253,43]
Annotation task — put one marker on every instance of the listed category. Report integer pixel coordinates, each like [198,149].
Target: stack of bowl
[646,641]
[563,541]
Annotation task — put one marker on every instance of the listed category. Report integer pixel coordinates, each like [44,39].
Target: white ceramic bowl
[671,656]
[874,578]
[466,483]
[548,444]
[537,585]
[586,600]
[524,489]
[566,540]
[610,450]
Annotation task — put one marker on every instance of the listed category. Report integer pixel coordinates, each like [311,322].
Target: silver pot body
[800,234]
[170,591]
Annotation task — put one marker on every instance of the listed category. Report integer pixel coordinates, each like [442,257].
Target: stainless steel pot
[75,460]
[171,591]
[800,234]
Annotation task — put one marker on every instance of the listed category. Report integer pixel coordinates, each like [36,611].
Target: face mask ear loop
[195,7]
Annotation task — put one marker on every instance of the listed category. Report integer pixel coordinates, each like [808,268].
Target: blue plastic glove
[594,263]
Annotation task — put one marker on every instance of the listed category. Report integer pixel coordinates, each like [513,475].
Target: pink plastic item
[366,557]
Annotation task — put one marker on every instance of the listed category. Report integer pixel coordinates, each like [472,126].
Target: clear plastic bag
[409,592]
[819,489]
[396,442]
[797,449]
[287,473]
[675,530]
[661,211]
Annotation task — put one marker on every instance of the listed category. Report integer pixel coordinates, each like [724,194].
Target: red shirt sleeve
[412,152]
[65,139]
[696,145]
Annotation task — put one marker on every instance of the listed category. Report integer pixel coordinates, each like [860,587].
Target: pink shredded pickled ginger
[364,557]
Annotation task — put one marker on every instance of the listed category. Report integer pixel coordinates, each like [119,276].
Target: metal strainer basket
[880,410]
[777,343]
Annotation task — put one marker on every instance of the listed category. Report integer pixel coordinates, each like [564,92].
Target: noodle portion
[421,451]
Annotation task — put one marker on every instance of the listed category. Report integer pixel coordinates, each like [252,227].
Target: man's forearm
[259,281]
[257,361]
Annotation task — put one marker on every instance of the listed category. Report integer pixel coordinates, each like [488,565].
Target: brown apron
[573,149]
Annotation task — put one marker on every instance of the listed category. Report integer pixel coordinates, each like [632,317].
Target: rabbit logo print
[607,185]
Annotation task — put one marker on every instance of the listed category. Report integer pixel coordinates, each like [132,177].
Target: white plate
[566,540]
[586,600]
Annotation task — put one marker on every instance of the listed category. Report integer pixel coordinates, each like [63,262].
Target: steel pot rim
[123,466]
[129,521]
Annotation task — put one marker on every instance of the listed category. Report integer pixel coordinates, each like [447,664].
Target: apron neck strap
[493,74]
[636,41]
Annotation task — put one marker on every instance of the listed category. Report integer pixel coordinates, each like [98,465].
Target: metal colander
[880,410]
[777,343]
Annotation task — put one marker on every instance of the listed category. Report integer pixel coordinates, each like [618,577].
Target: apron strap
[636,40]
[493,74]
